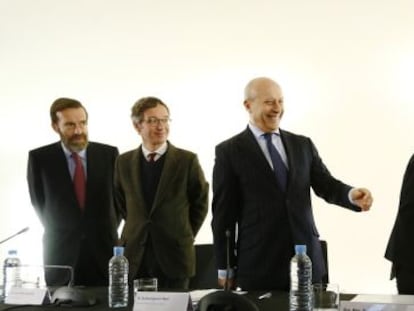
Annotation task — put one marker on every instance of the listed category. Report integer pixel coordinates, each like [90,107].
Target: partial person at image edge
[400,249]
[267,210]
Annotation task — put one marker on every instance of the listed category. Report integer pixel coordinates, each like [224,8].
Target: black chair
[324,245]
[225,301]
[206,272]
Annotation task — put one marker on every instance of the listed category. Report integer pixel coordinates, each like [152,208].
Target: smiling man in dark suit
[262,179]
[71,189]
[162,194]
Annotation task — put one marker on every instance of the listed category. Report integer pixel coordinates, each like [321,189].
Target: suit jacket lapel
[60,166]
[93,164]
[136,177]
[255,153]
[289,148]
[168,173]
[90,167]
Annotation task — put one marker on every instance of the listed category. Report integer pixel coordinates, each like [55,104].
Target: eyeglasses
[153,121]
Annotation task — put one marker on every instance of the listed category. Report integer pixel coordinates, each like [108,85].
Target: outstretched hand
[362,197]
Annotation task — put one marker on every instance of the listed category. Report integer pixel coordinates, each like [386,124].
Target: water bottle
[11,272]
[301,294]
[118,279]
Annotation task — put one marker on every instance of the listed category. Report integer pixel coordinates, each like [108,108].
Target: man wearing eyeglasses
[162,195]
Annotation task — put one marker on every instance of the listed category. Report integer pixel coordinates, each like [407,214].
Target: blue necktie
[279,167]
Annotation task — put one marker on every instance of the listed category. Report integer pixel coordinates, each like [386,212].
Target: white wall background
[346,68]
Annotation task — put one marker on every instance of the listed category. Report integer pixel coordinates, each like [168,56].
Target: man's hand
[362,197]
[231,283]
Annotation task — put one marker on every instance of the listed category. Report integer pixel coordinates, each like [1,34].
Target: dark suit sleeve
[399,247]
[406,207]
[119,195]
[325,185]
[118,214]
[225,206]
[197,195]
[35,184]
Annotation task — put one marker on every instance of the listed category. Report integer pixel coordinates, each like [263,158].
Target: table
[278,301]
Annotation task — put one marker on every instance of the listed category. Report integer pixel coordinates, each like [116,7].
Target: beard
[76,142]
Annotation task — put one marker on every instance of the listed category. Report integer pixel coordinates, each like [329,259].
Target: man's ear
[137,126]
[55,127]
[246,104]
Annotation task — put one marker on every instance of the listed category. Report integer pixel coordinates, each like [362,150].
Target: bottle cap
[300,249]
[12,252]
[118,250]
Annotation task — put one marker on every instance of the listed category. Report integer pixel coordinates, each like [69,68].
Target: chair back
[225,301]
[206,272]
[324,245]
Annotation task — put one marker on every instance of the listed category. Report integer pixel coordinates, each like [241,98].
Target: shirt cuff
[222,274]
[350,196]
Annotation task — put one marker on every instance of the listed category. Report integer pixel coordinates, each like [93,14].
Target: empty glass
[146,285]
[325,297]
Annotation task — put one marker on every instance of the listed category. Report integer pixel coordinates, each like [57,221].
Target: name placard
[23,296]
[161,301]
[379,303]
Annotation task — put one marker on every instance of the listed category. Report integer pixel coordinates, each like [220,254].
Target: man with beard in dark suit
[262,179]
[71,189]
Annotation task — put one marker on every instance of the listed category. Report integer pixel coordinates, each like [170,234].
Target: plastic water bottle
[11,272]
[118,279]
[301,294]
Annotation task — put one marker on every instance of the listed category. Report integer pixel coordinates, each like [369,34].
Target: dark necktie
[151,156]
[279,167]
[79,180]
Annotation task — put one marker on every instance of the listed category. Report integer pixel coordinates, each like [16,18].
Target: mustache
[77,136]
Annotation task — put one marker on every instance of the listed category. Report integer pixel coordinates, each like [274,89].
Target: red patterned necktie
[79,180]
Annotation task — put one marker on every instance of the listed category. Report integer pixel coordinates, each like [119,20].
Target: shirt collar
[161,150]
[258,133]
[68,153]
